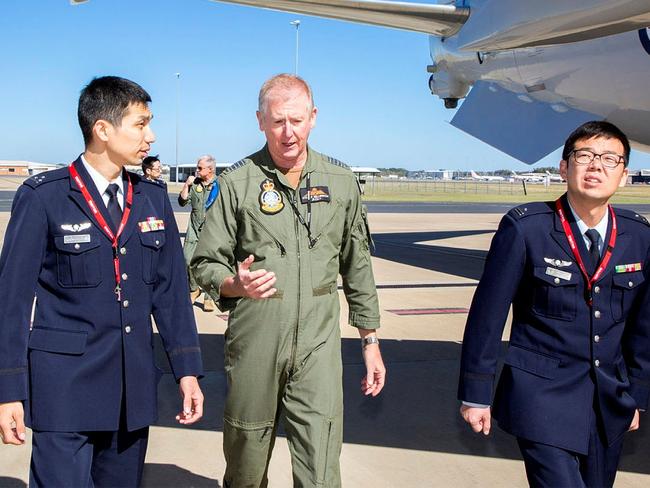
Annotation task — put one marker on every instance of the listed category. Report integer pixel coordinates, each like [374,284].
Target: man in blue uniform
[98,251]
[577,369]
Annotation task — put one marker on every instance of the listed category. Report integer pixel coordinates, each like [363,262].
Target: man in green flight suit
[287,222]
[200,191]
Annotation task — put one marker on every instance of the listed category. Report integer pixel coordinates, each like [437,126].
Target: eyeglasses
[608,160]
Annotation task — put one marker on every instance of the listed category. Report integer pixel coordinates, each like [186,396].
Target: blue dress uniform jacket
[86,351]
[563,354]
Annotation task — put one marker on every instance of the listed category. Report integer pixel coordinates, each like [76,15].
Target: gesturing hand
[253,284]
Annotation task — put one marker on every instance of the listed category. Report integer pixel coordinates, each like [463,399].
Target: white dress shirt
[600,227]
[102,183]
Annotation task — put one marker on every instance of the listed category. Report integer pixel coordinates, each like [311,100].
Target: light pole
[296,23]
[178,97]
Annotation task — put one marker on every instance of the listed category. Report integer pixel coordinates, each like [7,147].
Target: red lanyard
[102,222]
[572,243]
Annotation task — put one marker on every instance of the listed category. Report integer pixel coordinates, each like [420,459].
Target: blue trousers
[549,466]
[88,459]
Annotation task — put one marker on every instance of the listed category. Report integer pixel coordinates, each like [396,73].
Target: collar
[100,182]
[601,227]
[269,165]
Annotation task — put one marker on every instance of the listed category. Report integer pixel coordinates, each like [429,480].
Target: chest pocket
[152,243]
[556,297]
[625,287]
[77,263]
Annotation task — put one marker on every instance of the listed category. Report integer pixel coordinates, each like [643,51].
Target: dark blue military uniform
[570,366]
[87,364]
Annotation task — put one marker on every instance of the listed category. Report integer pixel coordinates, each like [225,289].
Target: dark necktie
[593,236]
[113,205]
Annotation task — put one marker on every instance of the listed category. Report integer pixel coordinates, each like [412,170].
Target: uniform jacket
[197,197]
[564,355]
[86,351]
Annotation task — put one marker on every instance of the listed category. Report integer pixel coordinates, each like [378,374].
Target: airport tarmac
[426,267]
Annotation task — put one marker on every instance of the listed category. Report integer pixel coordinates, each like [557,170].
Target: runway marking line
[428,311]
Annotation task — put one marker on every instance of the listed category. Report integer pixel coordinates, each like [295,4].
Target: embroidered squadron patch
[270,199]
[151,224]
[628,268]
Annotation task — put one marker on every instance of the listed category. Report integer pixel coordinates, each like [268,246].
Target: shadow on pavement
[417,410]
[6,482]
[171,476]
[402,247]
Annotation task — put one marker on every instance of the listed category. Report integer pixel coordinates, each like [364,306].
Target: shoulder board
[335,162]
[47,177]
[632,215]
[532,208]
[235,166]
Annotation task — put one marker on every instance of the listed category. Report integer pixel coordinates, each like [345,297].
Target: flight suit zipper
[294,345]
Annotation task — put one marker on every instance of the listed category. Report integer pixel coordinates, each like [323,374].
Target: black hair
[596,128]
[107,98]
[147,163]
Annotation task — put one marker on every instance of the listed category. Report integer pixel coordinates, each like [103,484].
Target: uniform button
[123,251]
[630,284]
[125,276]
[127,329]
[77,246]
[157,242]
[556,281]
[597,314]
[125,304]
[596,338]
[597,363]
[596,289]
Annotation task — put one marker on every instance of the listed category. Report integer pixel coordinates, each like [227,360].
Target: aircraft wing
[493,24]
[439,20]
[515,123]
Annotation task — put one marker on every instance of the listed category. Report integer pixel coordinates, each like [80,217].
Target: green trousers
[266,387]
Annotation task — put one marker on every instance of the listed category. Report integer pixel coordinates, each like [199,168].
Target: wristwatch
[369,340]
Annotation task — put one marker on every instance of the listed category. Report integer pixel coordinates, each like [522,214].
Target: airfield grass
[483,192]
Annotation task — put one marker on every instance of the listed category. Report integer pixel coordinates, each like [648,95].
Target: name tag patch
[316,194]
[628,268]
[76,238]
[151,224]
[558,273]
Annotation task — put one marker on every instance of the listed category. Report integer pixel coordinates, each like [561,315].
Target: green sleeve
[356,268]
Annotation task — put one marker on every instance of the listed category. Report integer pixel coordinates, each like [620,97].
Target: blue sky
[370,84]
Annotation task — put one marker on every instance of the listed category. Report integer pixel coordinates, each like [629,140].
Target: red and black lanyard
[102,222]
[576,253]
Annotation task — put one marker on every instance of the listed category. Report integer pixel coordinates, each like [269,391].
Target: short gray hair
[286,82]
[208,158]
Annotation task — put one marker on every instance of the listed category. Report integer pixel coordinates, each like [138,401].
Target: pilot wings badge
[558,262]
[76,227]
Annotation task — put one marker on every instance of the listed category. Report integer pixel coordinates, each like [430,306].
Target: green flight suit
[283,354]
[197,196]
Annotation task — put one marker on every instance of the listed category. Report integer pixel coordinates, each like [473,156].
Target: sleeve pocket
[58,340]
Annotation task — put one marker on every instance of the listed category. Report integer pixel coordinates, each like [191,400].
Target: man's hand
[192,400]
[190,180]
[478,418]
[12,423]
[373,382]
[249,284]
[634,425]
